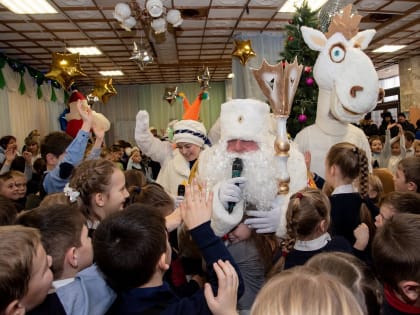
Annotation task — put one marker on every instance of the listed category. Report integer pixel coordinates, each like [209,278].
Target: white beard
[259,167]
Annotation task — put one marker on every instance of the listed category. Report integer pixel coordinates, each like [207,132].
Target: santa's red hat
[75,96]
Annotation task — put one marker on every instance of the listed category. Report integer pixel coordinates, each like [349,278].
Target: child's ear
[412,186]
[411,290]
[71,257]
[323,226]
[14,308]
[99,199]
[163,265]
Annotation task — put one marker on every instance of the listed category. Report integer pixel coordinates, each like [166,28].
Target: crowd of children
[99,236]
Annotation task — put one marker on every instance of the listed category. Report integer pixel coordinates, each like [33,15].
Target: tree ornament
[309,81]
[302,118]
[308,69]
[170,94]
[65,69]
[104,90]
[243,51]
[290,38]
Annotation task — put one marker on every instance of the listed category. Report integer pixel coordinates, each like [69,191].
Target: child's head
[376,188]
[64,236]
[153,195]
[395,146]
[8,188]
[20,183]
[32,144]
[101,185]
[396,255]
[409,138]
[354,274]
[135,155]
[347,162]
[25,276]
[134,178]
[54,145]
[307,216]
[375,143]
[7,141]
[407,176]
[131,246]
[240,233]
[301,291]
[53,199]
[8,211]
[397,202]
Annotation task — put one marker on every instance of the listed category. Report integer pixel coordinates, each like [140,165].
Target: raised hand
[86,114]
[225,301]
[196,208]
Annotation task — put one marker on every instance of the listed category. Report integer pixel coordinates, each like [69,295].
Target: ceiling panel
[204,39]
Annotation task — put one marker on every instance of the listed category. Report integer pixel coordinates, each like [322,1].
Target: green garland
[37,75]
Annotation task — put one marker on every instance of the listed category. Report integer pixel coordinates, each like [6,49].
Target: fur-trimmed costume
[248,120]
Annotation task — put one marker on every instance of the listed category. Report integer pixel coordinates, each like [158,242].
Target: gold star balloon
[104,90]
[243,50]
[65,69]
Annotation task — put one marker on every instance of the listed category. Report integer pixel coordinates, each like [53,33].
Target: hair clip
[71,193]
[299,195]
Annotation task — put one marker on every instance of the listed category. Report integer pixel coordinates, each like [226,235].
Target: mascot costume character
[348,87]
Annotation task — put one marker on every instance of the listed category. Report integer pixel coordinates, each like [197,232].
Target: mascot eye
[337,53]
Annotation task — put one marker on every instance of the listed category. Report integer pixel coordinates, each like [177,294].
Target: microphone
[237,167]
[181,190]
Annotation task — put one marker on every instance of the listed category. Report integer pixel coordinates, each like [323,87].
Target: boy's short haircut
[403,201]
[128,245]
[410,166]
[18,246]
[395,250]
[8,211]
[60,227]
[409,135]
[55,143]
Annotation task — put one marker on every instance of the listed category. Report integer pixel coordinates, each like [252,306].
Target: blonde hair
[376,184]
[354,274]
[304,291]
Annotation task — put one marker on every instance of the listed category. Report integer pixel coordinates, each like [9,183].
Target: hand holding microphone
[230,191]
[180,195]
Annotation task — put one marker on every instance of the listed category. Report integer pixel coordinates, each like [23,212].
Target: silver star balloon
[141,57]
[203,78]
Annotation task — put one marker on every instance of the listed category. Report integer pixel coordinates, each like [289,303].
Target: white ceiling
[204,39]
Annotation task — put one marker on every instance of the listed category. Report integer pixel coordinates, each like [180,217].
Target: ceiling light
[111,73]
[29,6]
[231,75]
[290,5]
[155,15]
[85,51]
[388,48]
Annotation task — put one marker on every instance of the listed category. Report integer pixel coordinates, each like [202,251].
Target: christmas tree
[303,111]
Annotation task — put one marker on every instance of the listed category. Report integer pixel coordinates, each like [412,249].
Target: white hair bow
[71,193]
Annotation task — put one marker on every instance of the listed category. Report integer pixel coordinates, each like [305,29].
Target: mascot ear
[315,39]
[362,39]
